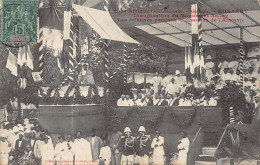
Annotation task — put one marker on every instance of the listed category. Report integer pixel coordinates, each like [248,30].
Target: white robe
[158,152]
[64,155]
[183,151]
[105,154]
[82,150]
[4,151]
[47,152]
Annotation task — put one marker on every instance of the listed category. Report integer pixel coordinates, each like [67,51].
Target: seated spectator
[172,101]
[212,101]
[184,101]
[156,99]
[225,76]
[148,101]
[129,102]
[173,88]
[166,81]
[121,101]
[163,101]
[139,101]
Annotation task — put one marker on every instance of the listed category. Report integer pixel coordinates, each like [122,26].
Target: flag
[23,56]
[67,21]
[19,58]
[196,31]
[190,66]
[29,58]
[186,58]
[11,63]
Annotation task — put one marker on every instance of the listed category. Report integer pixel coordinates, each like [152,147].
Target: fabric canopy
[103,24]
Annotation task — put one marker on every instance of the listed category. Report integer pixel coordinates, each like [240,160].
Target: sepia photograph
[130,82]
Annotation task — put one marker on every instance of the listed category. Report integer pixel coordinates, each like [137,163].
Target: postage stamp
[19,21]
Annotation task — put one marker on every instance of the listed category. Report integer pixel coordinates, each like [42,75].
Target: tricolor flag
[23,56]
[197,50]
[29,58]
[11,63]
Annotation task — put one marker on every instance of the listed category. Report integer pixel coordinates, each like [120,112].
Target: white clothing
[47,153]
[157,81]
[212,102]
[172,88]
[167,80]
[105,154]
[82,150]
[158,151]
[129,102]
[183,148]
[184,102]
[121,102]
[139,102]
[127,160]
[4,152]
[59,150]
[142,160]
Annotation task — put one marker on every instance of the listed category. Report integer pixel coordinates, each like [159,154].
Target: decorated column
[41,52]
[106,62]
[241,61]
[124,65]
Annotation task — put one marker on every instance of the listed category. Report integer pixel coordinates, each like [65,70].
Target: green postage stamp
[19,21]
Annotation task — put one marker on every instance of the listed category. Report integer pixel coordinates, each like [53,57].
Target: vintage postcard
[130,82]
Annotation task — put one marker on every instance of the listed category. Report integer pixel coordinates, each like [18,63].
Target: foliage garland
[117,120]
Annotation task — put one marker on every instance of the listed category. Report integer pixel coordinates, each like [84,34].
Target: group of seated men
[171,89]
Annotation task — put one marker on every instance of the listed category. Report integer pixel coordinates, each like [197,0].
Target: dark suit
[19,149]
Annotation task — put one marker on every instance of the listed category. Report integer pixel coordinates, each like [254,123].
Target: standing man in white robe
[83,153]
[183,148]
[47,152]
[60,148]
[158,151]
[157,83]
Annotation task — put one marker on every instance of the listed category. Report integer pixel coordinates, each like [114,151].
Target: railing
[195,147]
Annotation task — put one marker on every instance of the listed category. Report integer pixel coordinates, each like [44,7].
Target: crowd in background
[25,142]
[171,90]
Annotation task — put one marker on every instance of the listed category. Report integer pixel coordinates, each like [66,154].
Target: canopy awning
[226,30]
[103,24]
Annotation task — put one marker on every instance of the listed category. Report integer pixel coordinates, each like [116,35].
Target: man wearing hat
[114,139]
[126,147]
[143,146]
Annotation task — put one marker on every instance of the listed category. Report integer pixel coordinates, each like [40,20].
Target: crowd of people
[26,143]
[171,90]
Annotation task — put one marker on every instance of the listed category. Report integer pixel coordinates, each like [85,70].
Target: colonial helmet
[127,129]
[177,72]
[141,129]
